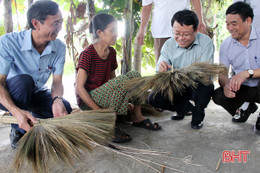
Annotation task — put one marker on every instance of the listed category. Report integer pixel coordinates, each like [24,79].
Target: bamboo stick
[7,119]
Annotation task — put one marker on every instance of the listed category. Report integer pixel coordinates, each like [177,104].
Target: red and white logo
[232,156]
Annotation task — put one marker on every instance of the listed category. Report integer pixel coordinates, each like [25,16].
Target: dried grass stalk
[63,138]
[176,81]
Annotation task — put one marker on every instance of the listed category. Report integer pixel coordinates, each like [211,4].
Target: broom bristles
[170,83]
[63,138]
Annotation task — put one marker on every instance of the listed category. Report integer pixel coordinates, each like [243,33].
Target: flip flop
[147,124]
[121,136]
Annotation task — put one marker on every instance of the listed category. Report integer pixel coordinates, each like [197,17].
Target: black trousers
[245,94]
[181,104]
[22,91]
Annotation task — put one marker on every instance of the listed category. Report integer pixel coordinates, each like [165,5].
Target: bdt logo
[228,156]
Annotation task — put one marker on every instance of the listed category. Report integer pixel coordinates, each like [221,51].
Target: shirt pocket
[45,74]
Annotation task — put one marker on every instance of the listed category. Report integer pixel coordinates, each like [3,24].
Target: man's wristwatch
[56,97]
[251,73]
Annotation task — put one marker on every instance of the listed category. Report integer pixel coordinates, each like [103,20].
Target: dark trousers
[181,104]
[245,94]
[22,91]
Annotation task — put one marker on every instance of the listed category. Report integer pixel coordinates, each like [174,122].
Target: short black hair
[186,17]
[243,9]
[40,10]
[100,22]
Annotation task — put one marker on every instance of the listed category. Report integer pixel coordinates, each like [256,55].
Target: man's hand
[164,66]
[237,80]
[202,27]
[25,119]
[140,38]
[58,108]
[228,92]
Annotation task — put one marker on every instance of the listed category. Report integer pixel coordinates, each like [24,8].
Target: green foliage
[116,8]
[2,30]
[217,12]
[20,7]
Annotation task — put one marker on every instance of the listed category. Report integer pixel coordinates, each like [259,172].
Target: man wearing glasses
[27,59]
[186,47]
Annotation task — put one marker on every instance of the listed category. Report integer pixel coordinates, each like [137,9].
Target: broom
[62,138]
[175,81]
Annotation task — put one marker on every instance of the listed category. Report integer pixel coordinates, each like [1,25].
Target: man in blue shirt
[241,52]
[27,59]
[186,47]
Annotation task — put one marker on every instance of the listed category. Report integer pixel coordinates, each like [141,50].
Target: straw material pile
[175,81]
[62,139]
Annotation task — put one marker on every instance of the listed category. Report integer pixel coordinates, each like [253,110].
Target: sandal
[147,124]
[121,136]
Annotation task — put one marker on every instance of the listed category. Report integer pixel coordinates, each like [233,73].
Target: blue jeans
[22,91]
[181,104]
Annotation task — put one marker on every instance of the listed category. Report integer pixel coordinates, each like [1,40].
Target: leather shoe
[15,136]
[177,116]
[257,125]
[196,125]
[243,116]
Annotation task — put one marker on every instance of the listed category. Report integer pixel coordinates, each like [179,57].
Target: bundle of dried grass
[63,138]
[175,81]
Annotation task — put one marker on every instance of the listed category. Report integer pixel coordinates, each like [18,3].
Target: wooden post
[8,20]
[137,56]
[127,47]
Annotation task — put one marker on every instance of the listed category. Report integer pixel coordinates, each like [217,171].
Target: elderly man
[186,47]
[241,52]
[27,59]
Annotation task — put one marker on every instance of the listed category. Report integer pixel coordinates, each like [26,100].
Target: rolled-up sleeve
[146,2]
[5,58]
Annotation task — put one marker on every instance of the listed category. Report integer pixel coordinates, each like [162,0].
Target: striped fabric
[98,70]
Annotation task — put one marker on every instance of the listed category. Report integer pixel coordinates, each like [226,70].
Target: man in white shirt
[255,4]
[161,20]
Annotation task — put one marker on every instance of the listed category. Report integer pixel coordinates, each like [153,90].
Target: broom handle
[8,119]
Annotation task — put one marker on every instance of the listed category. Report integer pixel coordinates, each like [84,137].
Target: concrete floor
[187,150]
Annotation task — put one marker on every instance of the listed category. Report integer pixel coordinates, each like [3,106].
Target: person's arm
[237,80]
[198,9]
[164,62]
[113,74]
[224,81]
[82,92]
[58,107]
[207,53]
[22,116]
[145,17]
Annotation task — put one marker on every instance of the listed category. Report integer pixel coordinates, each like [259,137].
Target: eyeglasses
[55,24]
[186,34]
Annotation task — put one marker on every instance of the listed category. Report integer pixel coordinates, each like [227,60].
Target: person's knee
[21,82]
[133,74]
[67,106]
[217,96]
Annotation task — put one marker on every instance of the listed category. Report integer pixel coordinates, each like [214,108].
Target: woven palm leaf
[176,81]
[62,139]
